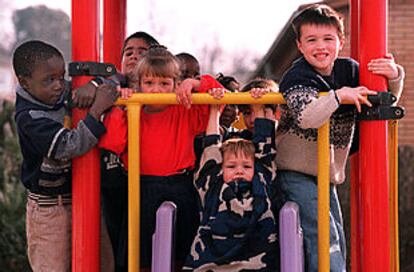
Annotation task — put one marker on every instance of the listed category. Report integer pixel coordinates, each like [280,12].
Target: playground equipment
[373,231]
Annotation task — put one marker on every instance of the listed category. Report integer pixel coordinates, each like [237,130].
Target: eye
[128,53]
[141,52]
[311,40]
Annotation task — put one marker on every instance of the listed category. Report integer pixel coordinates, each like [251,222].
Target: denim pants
[302,189]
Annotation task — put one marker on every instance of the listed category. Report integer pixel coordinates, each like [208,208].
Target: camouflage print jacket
[238,231]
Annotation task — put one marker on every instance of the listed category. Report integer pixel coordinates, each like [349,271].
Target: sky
[238,27]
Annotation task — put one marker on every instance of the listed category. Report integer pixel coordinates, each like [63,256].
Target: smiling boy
[320,37]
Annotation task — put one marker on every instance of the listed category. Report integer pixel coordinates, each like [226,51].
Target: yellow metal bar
[204,98]
[393,165]
[323,197]
[134,106]
[134,189]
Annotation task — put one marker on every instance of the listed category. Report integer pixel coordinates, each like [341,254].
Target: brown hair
[238,146]
[318,15]
[263,84]
[157,62]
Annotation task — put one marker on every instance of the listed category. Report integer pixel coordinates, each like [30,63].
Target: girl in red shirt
[166,140]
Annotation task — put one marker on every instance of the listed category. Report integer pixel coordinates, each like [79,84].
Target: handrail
[134,104]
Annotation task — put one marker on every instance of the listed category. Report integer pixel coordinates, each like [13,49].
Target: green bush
[13,255]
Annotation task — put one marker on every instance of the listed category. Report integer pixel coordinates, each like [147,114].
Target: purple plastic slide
[291,239]
[163,238]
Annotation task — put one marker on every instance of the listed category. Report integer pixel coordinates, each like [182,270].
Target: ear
[299,46]
[341,43]
[23,81]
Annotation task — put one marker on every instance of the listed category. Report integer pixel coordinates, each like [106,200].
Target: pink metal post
[375,238]
[86,173]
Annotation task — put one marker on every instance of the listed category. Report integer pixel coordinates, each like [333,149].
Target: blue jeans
[302,189]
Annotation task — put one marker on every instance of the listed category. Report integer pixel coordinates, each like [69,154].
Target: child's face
[47,82]
[150,84]
[320,45]
[248,119]
[237,166]
[133,51]
[229,115]
[191,69]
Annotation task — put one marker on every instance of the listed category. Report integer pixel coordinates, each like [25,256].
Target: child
[134,47]
[167,156]
[238,228]
[114,179]
[254,86]
[320,37]
[230,112]
[189,66]
[47,147]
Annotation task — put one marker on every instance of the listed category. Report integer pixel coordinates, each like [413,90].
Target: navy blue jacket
[47,146]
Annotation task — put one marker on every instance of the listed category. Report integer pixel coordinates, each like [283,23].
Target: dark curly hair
[30,53]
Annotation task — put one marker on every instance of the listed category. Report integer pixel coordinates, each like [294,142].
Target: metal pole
[114,31]
[324,163]
[374,182]
[86,175]
[354,159]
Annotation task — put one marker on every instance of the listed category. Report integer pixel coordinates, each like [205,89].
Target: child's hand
[217,93]
[125,92]
[258,92]
[106,95]
[84,96]
[355,96]
[384,66]
[183,91]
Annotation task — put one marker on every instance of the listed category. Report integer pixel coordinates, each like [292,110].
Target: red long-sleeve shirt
[166,137]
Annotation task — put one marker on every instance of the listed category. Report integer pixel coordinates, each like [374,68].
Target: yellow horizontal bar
[204,98]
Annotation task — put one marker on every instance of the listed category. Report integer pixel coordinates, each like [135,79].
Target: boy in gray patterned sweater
[320,37]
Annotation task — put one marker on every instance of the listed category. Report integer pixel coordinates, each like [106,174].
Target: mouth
[321,56]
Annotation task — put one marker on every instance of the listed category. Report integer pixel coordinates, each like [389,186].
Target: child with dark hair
[238,230]
[47,147]
[189,66]
[254,86]
[230,112]
[114,178]
[319,37]
[167,156]
[135,45]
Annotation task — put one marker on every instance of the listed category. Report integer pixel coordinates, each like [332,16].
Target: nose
[58,85]
[239,171]
[134,55]
[155,89]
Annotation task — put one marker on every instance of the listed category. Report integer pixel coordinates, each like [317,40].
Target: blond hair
[157,62]
[238,146]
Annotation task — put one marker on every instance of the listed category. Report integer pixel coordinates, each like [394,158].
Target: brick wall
[401,45]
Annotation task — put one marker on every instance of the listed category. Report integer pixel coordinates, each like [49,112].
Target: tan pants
[48,231]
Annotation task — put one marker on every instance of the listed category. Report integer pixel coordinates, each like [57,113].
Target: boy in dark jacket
[47,148]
